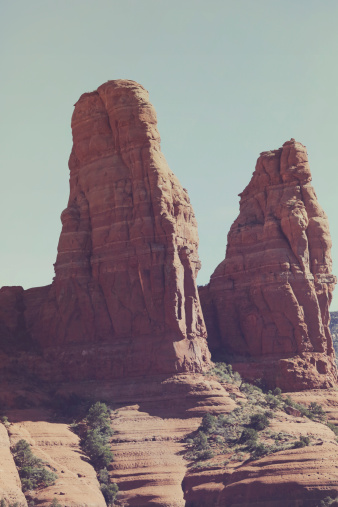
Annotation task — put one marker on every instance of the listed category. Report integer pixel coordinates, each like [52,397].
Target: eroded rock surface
[124,300]
[268,301]
[76,484]
[10,484]
[291,477]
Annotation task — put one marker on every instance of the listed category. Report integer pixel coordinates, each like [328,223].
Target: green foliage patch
[96,444]
[240,432]
[33,473]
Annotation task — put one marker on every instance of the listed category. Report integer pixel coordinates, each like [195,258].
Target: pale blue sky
[228,79]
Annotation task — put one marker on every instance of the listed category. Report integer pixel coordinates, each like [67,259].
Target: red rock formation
[124,300]
[268,301]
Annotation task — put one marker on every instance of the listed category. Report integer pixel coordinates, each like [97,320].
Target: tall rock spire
[124,299]
[267,303]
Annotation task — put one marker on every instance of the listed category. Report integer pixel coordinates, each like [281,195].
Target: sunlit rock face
[124,299]
[267,304]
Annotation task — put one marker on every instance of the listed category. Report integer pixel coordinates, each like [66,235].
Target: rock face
[267,303]
[124,300]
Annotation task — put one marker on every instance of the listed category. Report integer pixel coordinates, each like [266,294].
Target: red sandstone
[124,300]
[267,304]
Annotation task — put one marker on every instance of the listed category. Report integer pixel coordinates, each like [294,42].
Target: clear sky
[228,80]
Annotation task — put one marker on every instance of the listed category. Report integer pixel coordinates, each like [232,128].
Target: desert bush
[95,444]
[327,502]
[55,503]
[249,437]
[103,476]
[259,421]
[204,454]
[333,427]
[97,449]
[277,391]
[259,450]
[201,441]
[4,503]
[99,418]
[208,423]
[302,442]
[272,401]
[317,410]
[31,470]
[250,389]
[314,411]
[110,492]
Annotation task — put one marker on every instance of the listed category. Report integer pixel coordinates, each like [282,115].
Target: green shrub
[277,391]
[313,411]
[103,476]
[95,444]
[249,389]
[248,434]
[259,450]
[204,454]
[317,410]
[55,503]
[272,401]
[4,503]
[302,442]
[201,441]
[109,492]
[31,470]
[96,448]
[327,502]
[208,423]
[333,427]
[99,418]
[259,421]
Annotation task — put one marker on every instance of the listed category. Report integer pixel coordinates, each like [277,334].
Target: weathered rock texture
[268,301]
[124,300]
[10,484]
[291,477]
[59,448]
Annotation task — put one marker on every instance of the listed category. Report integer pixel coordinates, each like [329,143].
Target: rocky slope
[286,474]
[267,303]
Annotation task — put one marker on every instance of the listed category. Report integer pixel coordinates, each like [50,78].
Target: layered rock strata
[124,300]
[267,303]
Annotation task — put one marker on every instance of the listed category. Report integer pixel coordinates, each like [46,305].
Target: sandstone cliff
[124,300]
[267,303]
[123,310]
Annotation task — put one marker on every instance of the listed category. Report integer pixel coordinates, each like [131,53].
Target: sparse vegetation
[224,373]
[314,411]
[31,469]
[302,442]
[95,443]
[245,431]
[327,502]
[4,503]
[55,503]
[259,421]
